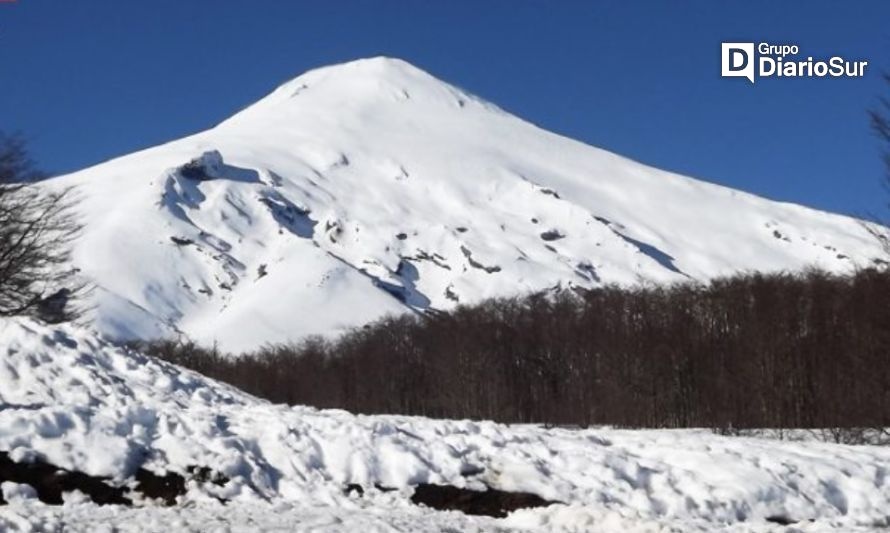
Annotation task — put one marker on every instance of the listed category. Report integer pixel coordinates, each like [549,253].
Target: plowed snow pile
[81,404]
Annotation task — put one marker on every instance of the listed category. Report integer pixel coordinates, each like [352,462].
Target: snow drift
[371,187]
[75,401]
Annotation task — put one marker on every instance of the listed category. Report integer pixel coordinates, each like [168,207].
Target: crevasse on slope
[67,394]
[371,187]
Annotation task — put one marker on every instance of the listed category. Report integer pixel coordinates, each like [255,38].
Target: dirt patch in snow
[51,483]
[492,502]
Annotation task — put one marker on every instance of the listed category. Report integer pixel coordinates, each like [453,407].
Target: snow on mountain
[82,404]
[371,187]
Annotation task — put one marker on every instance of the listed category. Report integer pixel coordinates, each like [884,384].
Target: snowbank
[71,399]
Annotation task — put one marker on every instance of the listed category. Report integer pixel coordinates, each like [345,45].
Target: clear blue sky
[87,80]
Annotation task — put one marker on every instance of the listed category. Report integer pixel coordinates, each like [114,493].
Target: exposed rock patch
[476,264]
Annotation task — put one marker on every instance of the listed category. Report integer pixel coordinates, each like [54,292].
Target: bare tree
[880,125]
[36,229]
[879,117]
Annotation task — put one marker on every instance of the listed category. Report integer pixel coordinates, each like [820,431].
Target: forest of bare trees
[782,350]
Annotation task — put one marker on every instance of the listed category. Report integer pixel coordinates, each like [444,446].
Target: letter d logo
[737,60]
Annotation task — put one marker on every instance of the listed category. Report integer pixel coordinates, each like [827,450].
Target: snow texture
[371,187]
[80,403]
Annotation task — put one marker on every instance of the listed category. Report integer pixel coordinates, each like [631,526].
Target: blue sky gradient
[93,79]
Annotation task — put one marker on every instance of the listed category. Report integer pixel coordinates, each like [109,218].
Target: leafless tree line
[751,351]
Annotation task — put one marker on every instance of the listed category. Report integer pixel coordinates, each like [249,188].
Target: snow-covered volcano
[372,187]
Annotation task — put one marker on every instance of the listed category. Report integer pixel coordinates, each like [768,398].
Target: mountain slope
[372,187]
